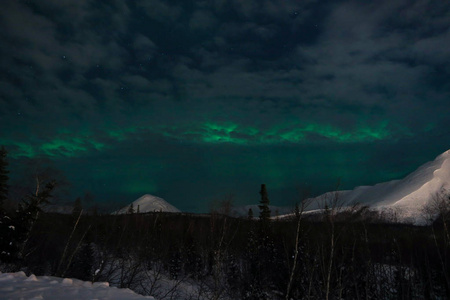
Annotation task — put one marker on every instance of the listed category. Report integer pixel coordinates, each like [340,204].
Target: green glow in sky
[72,144]
[233,133]
[226,133]
[140,187]
[121,134]
[361,134]
[66,144]
[70,147]
[20,149]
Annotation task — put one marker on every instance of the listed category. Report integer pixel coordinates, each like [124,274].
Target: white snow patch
[19,286]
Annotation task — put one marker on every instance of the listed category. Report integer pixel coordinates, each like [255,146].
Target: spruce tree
[297,210]
[265,251]
[130,209]
[3,177]
[264,211]
[82,264]
[28,213]
[8,247]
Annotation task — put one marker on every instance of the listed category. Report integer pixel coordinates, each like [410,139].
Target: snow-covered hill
[149,203]
[406,197]
[20,286]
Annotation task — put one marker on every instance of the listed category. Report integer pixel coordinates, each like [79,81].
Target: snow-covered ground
[18,286]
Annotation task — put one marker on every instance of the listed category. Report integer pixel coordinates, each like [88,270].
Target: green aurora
[72,144]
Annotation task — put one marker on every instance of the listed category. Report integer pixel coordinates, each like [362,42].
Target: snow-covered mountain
[149,203]
[406,197]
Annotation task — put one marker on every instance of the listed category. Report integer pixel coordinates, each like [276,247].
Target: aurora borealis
[195,100]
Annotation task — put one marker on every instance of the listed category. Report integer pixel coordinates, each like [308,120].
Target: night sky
[193,101]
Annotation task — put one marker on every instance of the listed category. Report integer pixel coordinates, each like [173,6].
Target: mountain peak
[446,154]
[149,203]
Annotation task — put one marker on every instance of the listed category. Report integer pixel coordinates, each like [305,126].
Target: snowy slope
[19,286]
[407,196]
[149,203]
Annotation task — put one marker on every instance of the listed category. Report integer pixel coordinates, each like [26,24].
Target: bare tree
[437,211]
[299,209]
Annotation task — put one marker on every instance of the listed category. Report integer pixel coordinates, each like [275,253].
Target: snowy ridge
[149,203]
[19,286]
[405,197]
